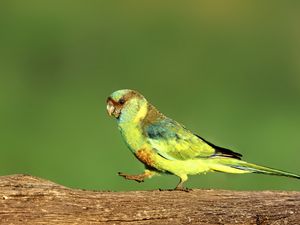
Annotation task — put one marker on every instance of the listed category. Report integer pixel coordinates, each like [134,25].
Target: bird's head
[127,102]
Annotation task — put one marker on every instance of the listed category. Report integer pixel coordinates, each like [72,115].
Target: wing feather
[173,141]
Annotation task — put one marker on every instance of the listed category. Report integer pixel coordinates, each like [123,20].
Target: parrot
[165,146]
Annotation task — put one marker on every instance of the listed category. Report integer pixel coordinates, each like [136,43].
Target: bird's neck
[129,124]
[135,113]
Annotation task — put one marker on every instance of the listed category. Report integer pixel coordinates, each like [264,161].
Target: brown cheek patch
[145,156]
[113,102]
[117,105]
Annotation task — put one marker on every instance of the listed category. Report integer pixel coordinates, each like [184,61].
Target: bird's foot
[183,189]
[160,189]
[138,178]
[177,189]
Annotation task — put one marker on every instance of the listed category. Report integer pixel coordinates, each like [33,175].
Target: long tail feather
[238,166]
[264,170]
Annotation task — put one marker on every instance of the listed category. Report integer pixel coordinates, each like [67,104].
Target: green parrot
[165,146]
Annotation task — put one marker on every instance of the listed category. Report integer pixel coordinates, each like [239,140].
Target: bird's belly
[146,156]
[192,166]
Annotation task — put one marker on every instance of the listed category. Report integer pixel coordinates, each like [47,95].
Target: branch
[30,200]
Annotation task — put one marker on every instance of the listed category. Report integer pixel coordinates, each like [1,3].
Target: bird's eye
[122,101]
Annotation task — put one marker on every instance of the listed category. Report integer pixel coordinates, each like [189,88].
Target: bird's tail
[229,165]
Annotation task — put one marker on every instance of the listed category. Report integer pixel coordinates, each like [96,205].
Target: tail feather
[238,166]
[264,170]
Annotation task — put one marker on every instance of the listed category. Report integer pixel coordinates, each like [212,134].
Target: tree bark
[30,200]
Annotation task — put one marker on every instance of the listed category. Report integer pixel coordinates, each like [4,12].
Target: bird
[165,146]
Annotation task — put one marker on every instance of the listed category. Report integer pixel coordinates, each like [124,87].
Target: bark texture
[30,200]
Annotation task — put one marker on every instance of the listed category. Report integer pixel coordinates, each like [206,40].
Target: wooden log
[30,200]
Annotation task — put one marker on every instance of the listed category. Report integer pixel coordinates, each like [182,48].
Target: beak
[110,109]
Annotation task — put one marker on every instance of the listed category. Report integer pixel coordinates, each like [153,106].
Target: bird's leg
[138,178]
[179,187]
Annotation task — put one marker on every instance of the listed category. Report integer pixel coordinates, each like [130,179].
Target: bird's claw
[177,189]
[137,178]
[183,189]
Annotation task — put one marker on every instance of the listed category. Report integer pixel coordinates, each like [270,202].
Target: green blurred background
[228,70]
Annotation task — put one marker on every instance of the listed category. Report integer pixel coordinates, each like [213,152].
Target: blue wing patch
[161,129]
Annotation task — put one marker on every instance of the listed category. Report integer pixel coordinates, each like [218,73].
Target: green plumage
[164,145]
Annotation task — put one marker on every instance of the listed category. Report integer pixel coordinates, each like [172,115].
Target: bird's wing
[174,142]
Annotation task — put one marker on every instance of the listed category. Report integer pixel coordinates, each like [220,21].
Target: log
[29,200]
